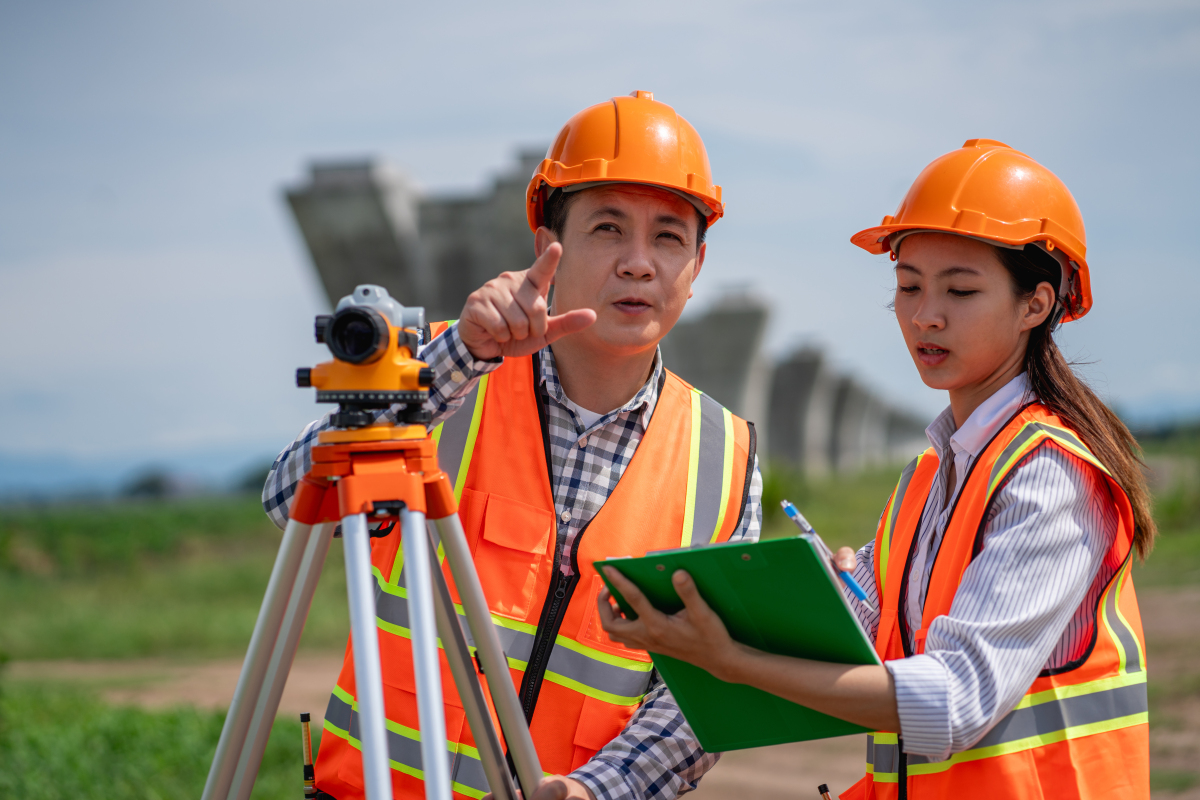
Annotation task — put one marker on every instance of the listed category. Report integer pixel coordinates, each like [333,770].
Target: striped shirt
[1026,603]
[656,755]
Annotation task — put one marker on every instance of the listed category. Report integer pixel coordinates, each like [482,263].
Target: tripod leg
[254,667]
[282,656]
[368,678]
[495,663]
[454,643]
[435,762]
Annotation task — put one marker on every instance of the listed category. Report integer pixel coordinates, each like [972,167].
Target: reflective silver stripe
[453,440]
[608,678]
[1129,642]
[1034,721]
[883,758]
[465,769]
[710,470]
[1027,432]
[593,673]
[393,609]
[1024,435]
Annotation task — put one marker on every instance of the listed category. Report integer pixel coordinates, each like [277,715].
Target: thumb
[541,274]
[570,322]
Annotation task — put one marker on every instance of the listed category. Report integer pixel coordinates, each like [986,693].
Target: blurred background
[157,294]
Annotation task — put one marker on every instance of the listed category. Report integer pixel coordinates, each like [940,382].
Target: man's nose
[637,263]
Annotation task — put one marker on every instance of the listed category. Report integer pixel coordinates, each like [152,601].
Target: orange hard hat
[633,139]
[989,191]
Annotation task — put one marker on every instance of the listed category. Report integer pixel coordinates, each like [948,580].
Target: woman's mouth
[632,306]
[930,354]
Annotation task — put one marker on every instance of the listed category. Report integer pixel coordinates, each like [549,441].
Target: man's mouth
[632,305]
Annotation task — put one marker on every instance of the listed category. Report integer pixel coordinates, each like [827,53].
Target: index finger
[541,274]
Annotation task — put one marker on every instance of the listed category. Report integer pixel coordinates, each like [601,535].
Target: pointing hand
[508,315]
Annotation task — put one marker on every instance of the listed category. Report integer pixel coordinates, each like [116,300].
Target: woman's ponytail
[1058,387]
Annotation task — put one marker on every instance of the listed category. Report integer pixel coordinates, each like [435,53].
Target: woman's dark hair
[1061,390]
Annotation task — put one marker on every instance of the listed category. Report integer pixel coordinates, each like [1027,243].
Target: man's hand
[556,787]
[695,635]
[508,316]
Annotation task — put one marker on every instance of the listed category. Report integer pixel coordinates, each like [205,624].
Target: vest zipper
[558,599]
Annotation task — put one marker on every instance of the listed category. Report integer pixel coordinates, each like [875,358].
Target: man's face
[630,254]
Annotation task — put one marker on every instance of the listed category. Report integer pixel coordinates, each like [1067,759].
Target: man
[559,417]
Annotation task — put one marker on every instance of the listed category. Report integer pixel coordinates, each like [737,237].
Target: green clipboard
[780,596]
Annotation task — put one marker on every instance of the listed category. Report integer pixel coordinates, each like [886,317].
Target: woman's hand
[845,559]
[695,635]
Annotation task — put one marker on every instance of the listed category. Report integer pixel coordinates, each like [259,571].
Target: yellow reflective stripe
[886,550]
[1079,731]
[408,733]
[1112,634]
[882,737]
[726,474]
[607,658]
[1075,690]
[583,688]
[1120,587]
[436,433]
[689,510]
[472,433]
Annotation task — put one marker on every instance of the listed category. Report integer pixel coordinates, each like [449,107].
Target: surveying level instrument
[389,473]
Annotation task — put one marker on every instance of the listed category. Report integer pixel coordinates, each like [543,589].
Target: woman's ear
[1039,306]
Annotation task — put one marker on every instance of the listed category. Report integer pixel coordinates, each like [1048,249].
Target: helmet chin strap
[1067,268]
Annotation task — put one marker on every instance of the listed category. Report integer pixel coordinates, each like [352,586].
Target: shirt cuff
[604,781]
[923,704]
[453,365]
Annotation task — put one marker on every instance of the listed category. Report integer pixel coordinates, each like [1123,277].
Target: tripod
[385,472]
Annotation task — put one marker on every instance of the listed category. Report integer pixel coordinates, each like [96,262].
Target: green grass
[58,743]
[180,580]
[844,510]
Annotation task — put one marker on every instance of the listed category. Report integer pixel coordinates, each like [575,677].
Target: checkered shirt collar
[643,402]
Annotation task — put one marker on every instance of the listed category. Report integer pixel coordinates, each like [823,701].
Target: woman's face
[961,320]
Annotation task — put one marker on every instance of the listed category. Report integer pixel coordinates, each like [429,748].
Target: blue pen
[795,516]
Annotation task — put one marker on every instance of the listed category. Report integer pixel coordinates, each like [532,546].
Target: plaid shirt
[656,755]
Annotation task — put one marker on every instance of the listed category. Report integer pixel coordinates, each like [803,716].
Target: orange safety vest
[1081,730]
[685,486]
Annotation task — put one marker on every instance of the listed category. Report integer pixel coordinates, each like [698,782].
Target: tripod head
[373,340]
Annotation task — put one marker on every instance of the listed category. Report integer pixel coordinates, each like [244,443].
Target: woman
[1013,649]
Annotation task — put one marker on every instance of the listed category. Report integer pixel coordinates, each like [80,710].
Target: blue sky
[155,297]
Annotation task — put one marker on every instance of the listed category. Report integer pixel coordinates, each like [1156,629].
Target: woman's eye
[963,292]
[908,289]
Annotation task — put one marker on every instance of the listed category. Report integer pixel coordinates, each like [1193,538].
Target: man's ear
[699,264]
[542,239]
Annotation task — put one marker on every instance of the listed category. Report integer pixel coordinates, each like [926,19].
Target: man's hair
[558,203]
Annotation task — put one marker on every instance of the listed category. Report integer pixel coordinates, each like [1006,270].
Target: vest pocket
[599,724]
[510,553]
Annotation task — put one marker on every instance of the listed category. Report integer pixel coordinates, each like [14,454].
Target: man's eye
[606,226]
[670,235]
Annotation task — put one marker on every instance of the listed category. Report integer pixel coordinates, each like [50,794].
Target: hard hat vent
[642,95]
[984,143]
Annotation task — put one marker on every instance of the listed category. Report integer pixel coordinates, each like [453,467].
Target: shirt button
[565,516]
[583,442]
[457,376]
